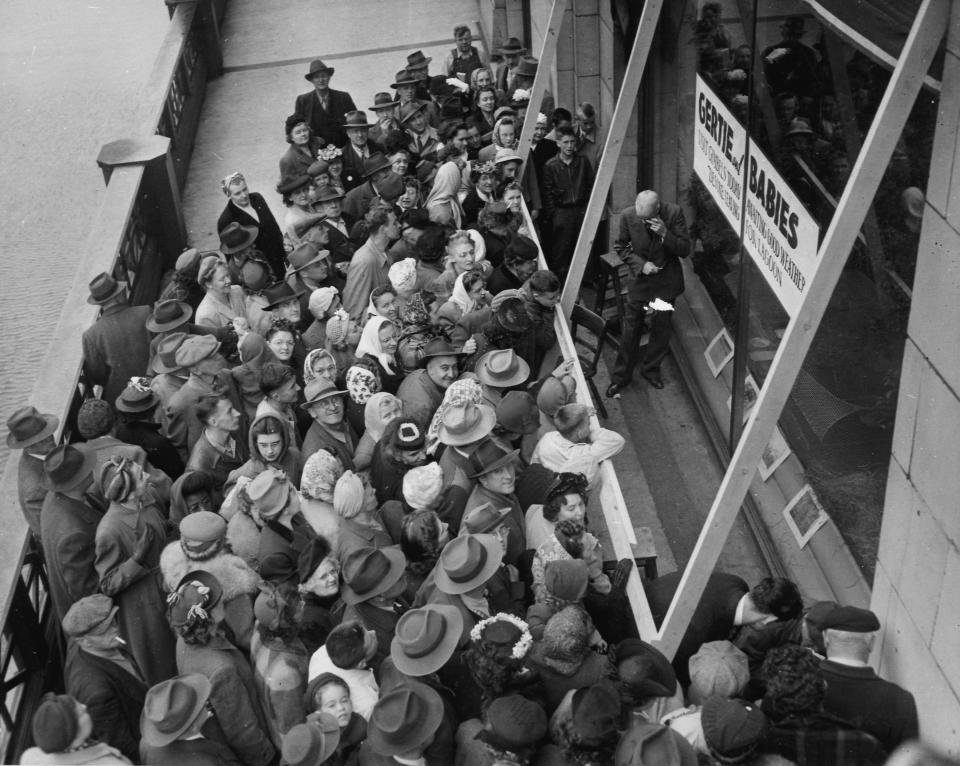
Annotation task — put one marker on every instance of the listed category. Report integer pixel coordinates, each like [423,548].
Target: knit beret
[95,418]
[55,723]
[730,727]
[422,486]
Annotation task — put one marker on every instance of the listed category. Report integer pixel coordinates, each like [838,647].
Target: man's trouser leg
[632,330]
[661,329]
[566,229]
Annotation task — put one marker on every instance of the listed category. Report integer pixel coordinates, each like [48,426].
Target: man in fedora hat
[499,370]
[385,109]
[310,269]
[32,432]
[249,208]
[403,726]
[100,673]
[494,471]
[329,202]
[172,316]
[207,372]
[136,424]
[460,577]
[237,245]
[330,429]
[313,742]
[286,532]
[381,184]
[68,526]
[370,266]
[373,584]
[117,346]
[408,92]
[462,427]
[167,378]
[174,714]
[323,107]
[284,302]
[422,391]
[523,77]
[789,65]
[357,149]
[423,139]
[511,51]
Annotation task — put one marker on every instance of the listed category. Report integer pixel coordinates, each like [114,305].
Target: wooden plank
[546,59]
[622,113]
[615,513]
[905,83]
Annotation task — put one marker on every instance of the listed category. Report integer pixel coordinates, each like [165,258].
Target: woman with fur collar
[203,545]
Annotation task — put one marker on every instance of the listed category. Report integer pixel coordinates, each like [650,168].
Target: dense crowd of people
[323,509]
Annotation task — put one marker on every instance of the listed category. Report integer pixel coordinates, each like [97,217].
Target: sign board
[778,232]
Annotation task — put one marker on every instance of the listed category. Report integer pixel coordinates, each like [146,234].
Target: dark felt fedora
[417,59]
[235,238]
[438,347]
[489,456]
[291,184]
[166,359]
[279,294]
[403,78]
[104,287]
[408,110]
[527,67]
[311,743]
[327,193]
[467,562]
[66,466]
[384,100]
[27,426]
[374,164]
[368,572]
[317,66]
[426,638]
[168,315]
[512,45]
[356,119]
[172,706]
[404,718]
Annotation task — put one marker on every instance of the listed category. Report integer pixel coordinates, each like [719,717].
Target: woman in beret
[303,147]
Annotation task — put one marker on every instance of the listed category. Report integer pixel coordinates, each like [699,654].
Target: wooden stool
[613,272]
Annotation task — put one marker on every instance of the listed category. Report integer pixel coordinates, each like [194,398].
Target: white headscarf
[445,188]
[403,275]
[369,344]
[461,297]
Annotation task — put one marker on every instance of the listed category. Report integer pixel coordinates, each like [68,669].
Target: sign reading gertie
[779,234]
[720,147]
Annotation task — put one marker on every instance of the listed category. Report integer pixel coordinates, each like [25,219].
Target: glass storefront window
[807,100]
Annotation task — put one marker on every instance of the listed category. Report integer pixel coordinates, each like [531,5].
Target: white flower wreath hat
[525,641]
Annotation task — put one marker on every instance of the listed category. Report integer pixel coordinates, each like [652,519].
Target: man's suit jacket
[666,253]
[326,123]
[352,174]
[870,703]
[357,202]
[112,695]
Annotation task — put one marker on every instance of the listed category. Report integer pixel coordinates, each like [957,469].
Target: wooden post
[622,113]
[548,54]
[919,49]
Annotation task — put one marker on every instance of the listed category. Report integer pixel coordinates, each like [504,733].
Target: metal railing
[132,238]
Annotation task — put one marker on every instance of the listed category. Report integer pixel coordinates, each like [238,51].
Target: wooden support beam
[921,45]
[611,151]
[548,55]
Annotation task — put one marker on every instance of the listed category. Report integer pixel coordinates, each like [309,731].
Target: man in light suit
[653,238]
[324,108]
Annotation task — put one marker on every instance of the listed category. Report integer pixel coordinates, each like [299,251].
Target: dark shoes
[653,378]
[613,391]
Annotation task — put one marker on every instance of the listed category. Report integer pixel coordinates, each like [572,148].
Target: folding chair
[596,326]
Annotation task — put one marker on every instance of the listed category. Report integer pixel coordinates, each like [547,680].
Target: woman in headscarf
[403,280]
[379,410]
[469,293]
[343,335]
[361,383]
[383,303]
[319,364]
[378,342]
[323,304]
[442,204]
[320,474]
[303,147]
